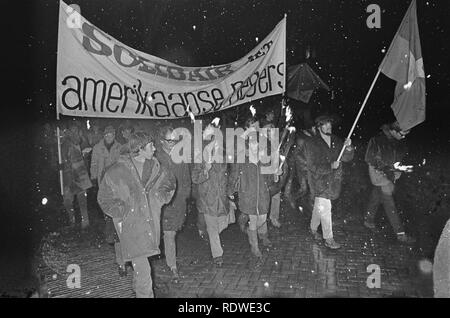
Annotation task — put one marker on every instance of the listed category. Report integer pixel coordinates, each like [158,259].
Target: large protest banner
[98,76]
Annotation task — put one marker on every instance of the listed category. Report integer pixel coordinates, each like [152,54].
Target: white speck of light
[426,266]
[256,39]
[194,27]
[44,201]
[88,124]
[266,284]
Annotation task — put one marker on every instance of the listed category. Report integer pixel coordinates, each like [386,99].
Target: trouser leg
[315,217]
[212,225]
[170,249]
[275,207]
[390,208]
[117,246]
[82,201]
[325,218]
[142,278]
[263,233]
[68,205]
[372,206]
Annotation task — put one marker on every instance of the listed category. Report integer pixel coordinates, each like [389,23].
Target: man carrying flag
[404,64]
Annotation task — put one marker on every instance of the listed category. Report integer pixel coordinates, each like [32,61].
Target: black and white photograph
[236,151]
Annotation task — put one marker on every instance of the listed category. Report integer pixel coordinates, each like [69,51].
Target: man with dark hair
[173,214]
[132,192]
[326,175]
[383,152]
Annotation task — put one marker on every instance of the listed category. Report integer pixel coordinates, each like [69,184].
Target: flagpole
[360,112]
[61,180]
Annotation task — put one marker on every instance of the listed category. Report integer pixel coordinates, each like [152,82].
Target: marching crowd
[143,192]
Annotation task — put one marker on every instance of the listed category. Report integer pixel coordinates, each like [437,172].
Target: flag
[404,64]
[302,81]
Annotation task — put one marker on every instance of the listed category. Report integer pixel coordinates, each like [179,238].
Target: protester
[75,175]
[174,213]
[383,151]
[254,196]
[124,132]
[326,176]
[275,200]
[132,192]
[213,202]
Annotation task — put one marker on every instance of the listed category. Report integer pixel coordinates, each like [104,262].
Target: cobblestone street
[295,266]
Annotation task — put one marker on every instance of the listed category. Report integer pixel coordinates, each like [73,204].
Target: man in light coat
[133,192]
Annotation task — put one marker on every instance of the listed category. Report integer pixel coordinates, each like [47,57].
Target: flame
[215,121]
[252,110]
[291,129]
[288,113]
[191,114]
[400,167]
[407,85]
[88,124]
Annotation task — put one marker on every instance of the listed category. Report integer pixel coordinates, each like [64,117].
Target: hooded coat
[137,203]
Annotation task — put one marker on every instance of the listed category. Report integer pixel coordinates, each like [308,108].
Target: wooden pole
[359,113]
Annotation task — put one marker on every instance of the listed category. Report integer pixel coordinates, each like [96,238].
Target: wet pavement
[296,266]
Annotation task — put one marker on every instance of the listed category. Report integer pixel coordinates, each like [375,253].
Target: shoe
[316,236]
[276,223]
[265,240]
[175,274]
[331,243]
[369,225]
[122,269]
[403,238]
[218,261]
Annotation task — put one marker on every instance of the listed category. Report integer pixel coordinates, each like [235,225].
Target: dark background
[345,53]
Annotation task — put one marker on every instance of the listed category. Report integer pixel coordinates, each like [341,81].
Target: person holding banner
[326,176]
[174,213]
[383,151]
[133,192]
[75,174]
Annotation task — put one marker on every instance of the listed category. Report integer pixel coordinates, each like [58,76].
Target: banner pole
[61,181]
[360,112]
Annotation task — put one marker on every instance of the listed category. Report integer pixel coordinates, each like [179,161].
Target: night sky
[346,54]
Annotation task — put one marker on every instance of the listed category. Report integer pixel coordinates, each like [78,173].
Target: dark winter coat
[212,187]
[252,187]
[325,182]
[382,152]
[174,213]
[137,203]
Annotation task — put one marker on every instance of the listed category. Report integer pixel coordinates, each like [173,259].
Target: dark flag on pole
[404,64]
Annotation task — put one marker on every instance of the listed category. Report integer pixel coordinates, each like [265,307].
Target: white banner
[98,76]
